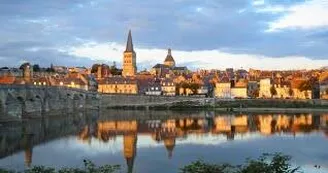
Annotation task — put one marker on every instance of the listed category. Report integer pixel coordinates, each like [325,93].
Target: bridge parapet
[18,100]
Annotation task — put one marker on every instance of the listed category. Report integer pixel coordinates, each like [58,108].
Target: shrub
[267,163]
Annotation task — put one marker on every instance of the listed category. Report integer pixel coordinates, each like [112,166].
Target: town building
[168,87]
[298,91]
[265,88]
[154,89]
[324,89]
[223,88]
[240,89]
[118,85]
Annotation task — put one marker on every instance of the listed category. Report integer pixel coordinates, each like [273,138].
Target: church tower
[129,58]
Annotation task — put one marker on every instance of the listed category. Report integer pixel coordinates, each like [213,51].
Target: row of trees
[37,68]
[106,69]
[193,87]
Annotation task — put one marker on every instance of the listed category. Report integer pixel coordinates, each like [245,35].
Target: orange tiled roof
[7,80]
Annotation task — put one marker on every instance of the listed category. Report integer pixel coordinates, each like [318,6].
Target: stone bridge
[19,100]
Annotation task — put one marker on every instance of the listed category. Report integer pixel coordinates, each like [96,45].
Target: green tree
[203,167]
[36,67]
[267,163]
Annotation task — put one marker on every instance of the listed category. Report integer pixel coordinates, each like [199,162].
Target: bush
[267,163]
[89,167]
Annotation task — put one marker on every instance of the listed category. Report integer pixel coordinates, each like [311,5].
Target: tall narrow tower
[129,58]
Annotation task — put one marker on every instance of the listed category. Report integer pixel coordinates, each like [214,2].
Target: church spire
[129,44]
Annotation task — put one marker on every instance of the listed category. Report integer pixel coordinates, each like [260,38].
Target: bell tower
[129,58]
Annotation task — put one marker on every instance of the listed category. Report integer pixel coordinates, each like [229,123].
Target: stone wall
[280,103]
[108,101]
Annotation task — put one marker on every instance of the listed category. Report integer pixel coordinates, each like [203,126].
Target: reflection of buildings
[168,132]
[271,124]
[230,125]
[130,149]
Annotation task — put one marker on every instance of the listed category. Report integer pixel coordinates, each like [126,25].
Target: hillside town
[169,79]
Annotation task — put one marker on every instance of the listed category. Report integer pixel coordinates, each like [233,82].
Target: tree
[291,92]
[115,71]
[36,67]
[24,65]
[94,68]
[255,93]
[194,87]
[273,91]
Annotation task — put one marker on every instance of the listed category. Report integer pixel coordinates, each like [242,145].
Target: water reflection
[165,130]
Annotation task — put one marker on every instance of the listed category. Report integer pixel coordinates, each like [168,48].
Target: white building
[265,88]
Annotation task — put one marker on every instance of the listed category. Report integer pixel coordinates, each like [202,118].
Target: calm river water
[163,141]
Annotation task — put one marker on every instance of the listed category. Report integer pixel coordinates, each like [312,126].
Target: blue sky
[264,34]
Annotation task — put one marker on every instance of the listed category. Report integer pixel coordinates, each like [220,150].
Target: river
[162,141]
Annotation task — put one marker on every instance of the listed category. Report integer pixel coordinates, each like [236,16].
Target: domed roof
[169,56]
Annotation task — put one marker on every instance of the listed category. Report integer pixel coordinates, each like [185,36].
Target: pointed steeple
[129,44]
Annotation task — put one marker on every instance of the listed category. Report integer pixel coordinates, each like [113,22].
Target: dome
[169,61]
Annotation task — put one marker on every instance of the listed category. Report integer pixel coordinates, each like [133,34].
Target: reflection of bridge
[17,136]
[19,99]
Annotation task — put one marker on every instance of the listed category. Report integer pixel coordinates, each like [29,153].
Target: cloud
[208,59]
[42,32]
[308,15]
[258,2]
[271,9]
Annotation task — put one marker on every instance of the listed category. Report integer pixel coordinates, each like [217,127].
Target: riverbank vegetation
[267,163]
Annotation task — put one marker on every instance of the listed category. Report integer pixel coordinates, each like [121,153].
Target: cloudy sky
[264,34]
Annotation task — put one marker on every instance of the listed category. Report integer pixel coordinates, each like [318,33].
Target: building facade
[118,85]
[223,90]
[265,88]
